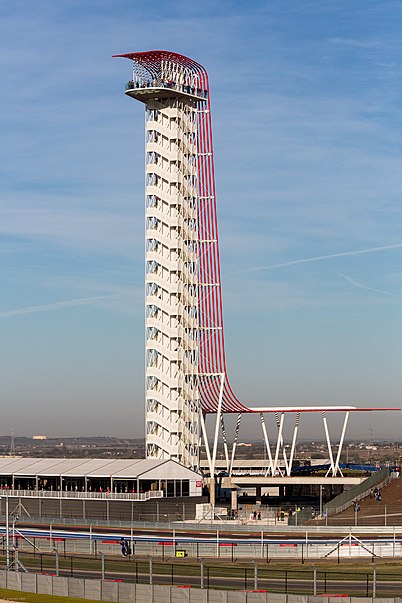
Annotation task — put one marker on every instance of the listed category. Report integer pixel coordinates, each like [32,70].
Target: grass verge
[16,595]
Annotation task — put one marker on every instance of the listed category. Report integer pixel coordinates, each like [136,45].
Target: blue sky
[307,114]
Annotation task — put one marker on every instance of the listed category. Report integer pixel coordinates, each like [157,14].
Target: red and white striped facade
[186,373]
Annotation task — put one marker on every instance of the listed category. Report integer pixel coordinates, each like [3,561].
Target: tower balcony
[145,90]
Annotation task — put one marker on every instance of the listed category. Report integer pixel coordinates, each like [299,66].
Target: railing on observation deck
[169,85]
[83,494]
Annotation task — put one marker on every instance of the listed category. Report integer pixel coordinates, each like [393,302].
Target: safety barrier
[117,590]
[47,547]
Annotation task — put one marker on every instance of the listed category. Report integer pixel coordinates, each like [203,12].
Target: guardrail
[64,494]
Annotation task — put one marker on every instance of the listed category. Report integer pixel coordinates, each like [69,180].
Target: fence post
[202,573]
[374,581]
[150,571]
[262,544]
[315,580]
[57,563]
[255,575]
[103,565]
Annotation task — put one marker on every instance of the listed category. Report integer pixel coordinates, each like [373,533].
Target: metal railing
[158,83]
[238,576]
[379,479]
[135,496]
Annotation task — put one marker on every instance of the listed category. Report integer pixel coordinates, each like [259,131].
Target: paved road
[252,532]
[159,535]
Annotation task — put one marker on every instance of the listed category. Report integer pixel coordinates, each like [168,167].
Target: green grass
[16,595]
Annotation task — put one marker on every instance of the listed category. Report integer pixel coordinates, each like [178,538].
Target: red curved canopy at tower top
[152,59]
[212,356]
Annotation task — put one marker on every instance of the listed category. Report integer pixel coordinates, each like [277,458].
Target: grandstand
[370,511]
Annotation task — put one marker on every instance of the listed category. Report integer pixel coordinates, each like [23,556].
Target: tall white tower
[171,95]
[186,372]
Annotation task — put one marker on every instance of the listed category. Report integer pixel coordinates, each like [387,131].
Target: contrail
[83,301]
[319,258]
[360,286]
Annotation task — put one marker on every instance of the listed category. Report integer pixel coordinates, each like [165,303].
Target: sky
[307,107]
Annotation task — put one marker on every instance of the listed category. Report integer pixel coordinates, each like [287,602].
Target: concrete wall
[123,592]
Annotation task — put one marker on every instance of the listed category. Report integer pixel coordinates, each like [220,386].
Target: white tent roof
[95,468]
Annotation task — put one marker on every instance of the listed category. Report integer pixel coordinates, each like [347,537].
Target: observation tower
[186,374]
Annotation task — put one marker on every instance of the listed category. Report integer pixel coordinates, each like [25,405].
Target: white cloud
[355,283]
[70,303]
[320,258]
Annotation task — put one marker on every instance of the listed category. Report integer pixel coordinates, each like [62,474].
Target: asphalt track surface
[186,538]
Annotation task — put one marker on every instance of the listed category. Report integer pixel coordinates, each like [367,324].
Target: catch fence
[311,580]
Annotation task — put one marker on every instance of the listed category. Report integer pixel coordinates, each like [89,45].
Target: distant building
[39,437]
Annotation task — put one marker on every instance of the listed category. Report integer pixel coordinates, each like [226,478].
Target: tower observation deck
[186,373]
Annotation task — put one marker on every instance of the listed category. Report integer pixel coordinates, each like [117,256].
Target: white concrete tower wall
[174,90]
[171,280]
